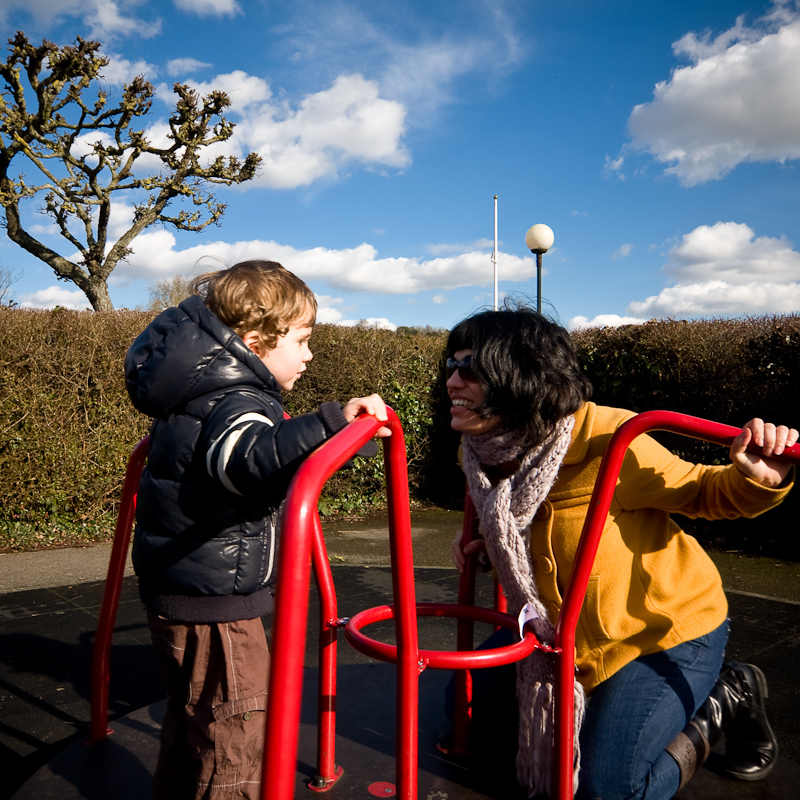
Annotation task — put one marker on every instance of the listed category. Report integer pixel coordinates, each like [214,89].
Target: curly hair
[526,365]
[256,295]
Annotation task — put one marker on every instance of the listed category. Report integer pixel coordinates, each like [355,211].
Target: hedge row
[67,427]
[724,370]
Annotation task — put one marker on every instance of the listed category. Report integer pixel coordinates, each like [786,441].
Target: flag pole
[494,253]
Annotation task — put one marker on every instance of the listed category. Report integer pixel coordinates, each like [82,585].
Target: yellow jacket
[652,585]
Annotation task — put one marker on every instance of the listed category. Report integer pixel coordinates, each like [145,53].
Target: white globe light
[539,238]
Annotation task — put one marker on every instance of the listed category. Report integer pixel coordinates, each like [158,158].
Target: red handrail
[300,530]
[101,651]
[584,560]
[291,597]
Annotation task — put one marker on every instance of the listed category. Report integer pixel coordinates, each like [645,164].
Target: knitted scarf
[505,511]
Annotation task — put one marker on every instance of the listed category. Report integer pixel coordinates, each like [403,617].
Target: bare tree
[85,150]
[168,292]
[8,277]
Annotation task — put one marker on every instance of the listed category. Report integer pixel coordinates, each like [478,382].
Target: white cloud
[423,75]
[439,299]
[445,248]
[207,8]
[52,296]
[720,299]
[725,270]
[738,101]
[326,311]
[120,71]
[730,251]
[244,90]
[602,320]
[107,17]
[362,117]
[183,66]
[82,146]
[328,130]
[46,229]
[623,251]
[370,322]
[103,18]
[419,63]
[151,248]
[614,165]
[357,269]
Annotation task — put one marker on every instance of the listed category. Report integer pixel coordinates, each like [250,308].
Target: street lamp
[539,240]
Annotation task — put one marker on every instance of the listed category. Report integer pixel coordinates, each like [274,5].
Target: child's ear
[253,340]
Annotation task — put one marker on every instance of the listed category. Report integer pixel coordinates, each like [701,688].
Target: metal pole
[494,253]
[539,283]
[101,652]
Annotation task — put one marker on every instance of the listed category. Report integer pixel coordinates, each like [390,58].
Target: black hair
[526,365]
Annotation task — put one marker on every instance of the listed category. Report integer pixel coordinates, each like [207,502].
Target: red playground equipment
[302,543]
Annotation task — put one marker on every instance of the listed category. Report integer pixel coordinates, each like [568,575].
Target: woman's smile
[465,397]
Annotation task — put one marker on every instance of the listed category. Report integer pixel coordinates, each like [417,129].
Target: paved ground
[48,613]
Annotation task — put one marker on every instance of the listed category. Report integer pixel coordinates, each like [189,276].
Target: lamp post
[539,240]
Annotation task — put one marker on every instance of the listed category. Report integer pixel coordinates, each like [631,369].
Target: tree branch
[79,185]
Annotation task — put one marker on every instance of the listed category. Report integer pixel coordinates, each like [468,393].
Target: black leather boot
[692,746]
[751,748]
[734,708]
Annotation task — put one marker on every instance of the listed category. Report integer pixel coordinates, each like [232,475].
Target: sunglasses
[464,369]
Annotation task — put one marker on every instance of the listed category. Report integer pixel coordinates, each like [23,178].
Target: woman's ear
[253,340]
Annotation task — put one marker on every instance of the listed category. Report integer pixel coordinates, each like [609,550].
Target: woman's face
[465,396]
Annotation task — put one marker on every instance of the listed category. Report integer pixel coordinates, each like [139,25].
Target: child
[222,455]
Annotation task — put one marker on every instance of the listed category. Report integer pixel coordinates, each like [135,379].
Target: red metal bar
[584,560]
[292,585]
[442,659]
[101,651]
[327,771]
[409,665]
[462,711]
[500,599]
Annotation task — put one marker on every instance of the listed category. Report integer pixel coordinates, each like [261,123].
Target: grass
[19,537]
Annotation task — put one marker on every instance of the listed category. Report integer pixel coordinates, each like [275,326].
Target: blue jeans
[630,718]
[638,711]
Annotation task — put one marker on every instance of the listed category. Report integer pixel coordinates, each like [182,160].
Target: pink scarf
[505,512]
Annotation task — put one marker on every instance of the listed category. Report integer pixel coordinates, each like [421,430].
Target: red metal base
[320,784]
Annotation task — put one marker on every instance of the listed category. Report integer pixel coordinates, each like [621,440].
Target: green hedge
[67,427]
[724,370]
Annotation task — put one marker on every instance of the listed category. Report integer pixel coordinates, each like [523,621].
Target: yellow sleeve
[654,477]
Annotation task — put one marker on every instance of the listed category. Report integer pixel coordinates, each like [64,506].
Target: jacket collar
[581,434]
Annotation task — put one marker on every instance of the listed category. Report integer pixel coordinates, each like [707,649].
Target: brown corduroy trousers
[212,739]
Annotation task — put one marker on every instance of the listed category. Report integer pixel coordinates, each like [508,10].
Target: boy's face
[288,359]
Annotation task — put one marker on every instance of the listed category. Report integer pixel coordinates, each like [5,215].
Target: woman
[652,632]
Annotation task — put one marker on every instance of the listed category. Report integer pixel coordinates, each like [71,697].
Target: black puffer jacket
[221,459]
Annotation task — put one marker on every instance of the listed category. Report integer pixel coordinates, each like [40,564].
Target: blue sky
[659,140]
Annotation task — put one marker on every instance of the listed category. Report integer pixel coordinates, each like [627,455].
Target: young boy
[222,455]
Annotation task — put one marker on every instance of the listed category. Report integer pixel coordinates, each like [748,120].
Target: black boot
[735,707]
[751,748]
[692,746]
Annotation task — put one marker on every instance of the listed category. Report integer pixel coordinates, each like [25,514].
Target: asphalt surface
[49,603]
